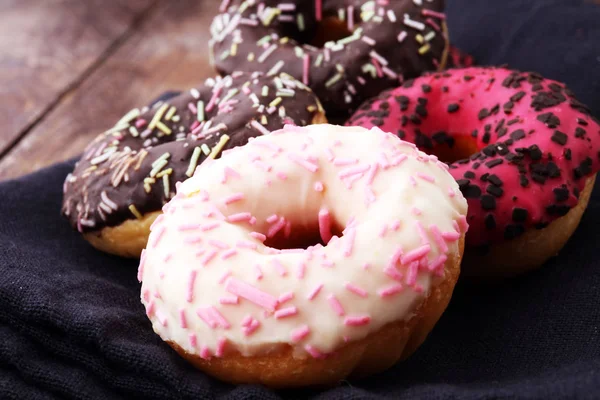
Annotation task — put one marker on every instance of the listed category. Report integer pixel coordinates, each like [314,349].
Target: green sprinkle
[200,111]
[230,94]
[166,186]
[334,79]
[160,159]
[275,102]
[278,83]
[342,14]
[224,55]
[193,161]
[319,60]
[276,68]
[265,91]
[263,40]
[155,170]
[300,22]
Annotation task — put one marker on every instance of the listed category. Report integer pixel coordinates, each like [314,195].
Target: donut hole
[462,148]
[300,237]
[329,29]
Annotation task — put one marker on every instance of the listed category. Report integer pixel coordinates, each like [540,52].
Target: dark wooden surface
[70,68]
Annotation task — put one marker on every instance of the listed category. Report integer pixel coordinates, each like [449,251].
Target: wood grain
[169,51]
[46,47]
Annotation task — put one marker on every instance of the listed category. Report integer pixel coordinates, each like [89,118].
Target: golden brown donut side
[529,251]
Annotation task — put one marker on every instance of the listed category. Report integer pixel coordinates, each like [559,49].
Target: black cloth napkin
[72,326]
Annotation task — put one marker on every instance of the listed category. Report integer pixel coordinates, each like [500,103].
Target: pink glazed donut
[307,256]
[523,150]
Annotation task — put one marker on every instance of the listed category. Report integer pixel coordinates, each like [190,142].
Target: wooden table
[70,68]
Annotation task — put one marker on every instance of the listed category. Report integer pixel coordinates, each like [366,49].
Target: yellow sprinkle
[217,149]
[420,38]
[133,131]
[149,180]
[311,108]
[284,40]
[275,102]
[135,211]
[263,119]
[142,154]
[166,186]
[265,91]
[233,50]
[147,188]
[157,168]
[127,118]
[164,172]
[163,156]
[273,12]
[205,149]
[158,116]
[251,57]
[193,162]
[170,113]
[163,128]
[424,49]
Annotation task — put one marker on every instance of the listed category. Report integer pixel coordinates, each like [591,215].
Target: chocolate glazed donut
[129,172]
[346,50]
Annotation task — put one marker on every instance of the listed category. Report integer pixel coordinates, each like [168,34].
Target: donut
[346,50]
[522,148]
[128,173]
[302,268]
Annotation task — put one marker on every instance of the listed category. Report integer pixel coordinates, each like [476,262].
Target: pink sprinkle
[275,228]
[348,172]
[310,349]
[229,300]
[301,270]
[431,13]
[228,253]
[218,244]
[193,340]
[395,225]
[413,181]
[182,319]
[455,226]
[272,218]
[350,18]
[220,347]
[462,223]
[366,265]
[286,312]
[349,244]
[190,287]
[212,317]
[300,333]
[187,227]
[205,353]
[303,163]
[208,258]
[141,267]
[252,220]
[285,297]
[357,320]
[421,232]
[451,192]
[239,217]
[356,290]
[259,236]
[399,160]
[451,236]
[327,263]
[372,173]
[210,226]
[263,165]
[233,198]
[426,177]
[251,293]
[416,254]
[146,295]
[411,276]
[140,123]
[247,320]
[157,236]
[249,330]
[336,305]
[318,186]
[325,225]
[439,238]
[259,274]
[305,68]
[393,273]
[438,262]
[224,277]
[434,24]
[390,290]
[318,17]
[192,108]
[246,245]
[416,211]
[330,155]
[279,267]
[340,161]
[315,292]
[150,309]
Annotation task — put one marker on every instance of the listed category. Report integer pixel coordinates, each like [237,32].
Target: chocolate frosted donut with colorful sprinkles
[522,148]
[129,172]
[345,50]
[304,266]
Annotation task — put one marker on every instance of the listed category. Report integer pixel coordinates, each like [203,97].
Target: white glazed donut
[218,290]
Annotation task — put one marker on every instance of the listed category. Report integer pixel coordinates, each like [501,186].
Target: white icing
[402,193]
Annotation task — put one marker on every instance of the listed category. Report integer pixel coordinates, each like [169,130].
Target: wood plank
[169,51]
[46,46]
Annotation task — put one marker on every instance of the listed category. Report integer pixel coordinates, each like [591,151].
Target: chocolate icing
[387,48]
[123,167]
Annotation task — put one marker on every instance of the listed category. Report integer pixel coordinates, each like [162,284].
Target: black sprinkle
[523,181]
[582,122]
[469,175]
[567,154]
[559,138]
[561,194]
[452,108]
[421,110]
[512,121]
[580,132]
[495,180]
[494,190]
[494,163]
[484,113]
[426,88]
[519,214]
[490,221]
[517,96]
[512,231]
[517,135]
[551,120]
[488,202]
